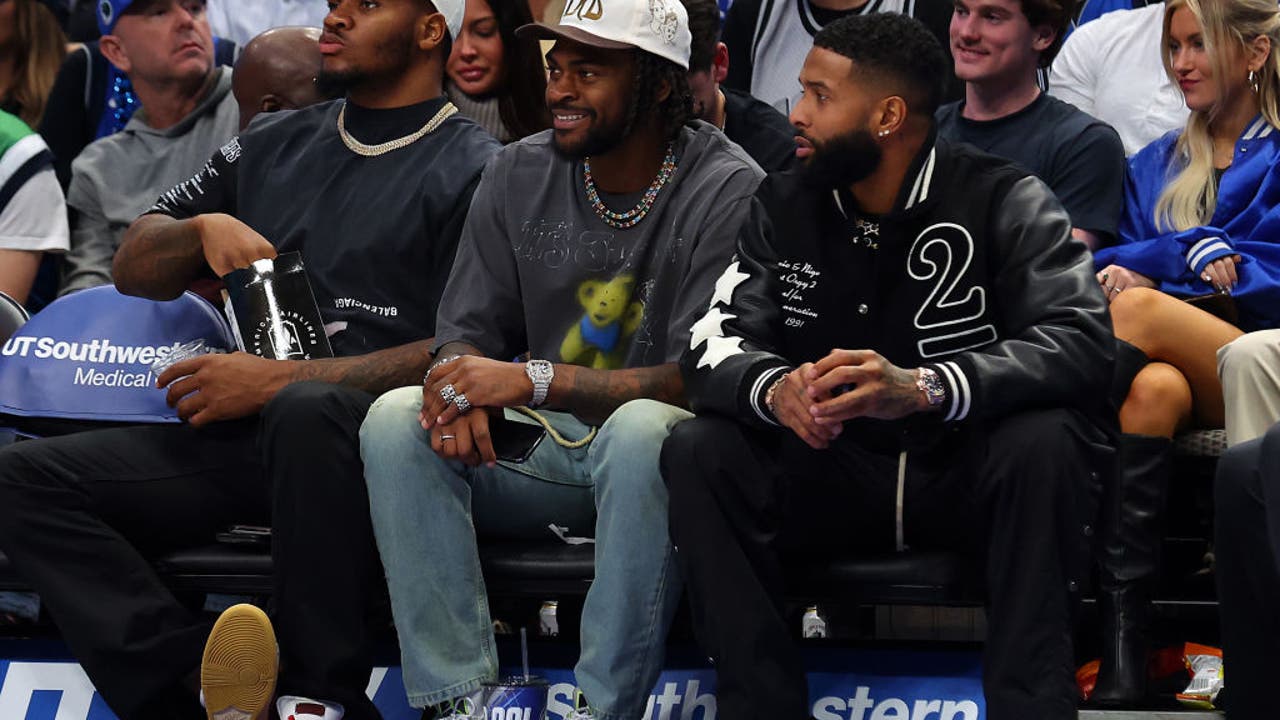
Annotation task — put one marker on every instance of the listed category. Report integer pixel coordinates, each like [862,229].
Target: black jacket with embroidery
[973,274]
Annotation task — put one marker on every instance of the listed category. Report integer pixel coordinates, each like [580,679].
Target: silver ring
[447,437]
[1115,289]
[462,403]
[448,393]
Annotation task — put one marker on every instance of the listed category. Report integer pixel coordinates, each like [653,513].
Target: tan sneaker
[238,670]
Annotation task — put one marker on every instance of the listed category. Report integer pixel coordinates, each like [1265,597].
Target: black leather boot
[1132,530]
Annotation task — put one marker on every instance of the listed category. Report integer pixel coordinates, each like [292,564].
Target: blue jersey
[1245,222]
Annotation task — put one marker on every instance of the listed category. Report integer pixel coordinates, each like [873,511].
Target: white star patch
[727,283]
[719,348]
[709,326]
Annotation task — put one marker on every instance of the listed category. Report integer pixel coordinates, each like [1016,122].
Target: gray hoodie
[116,178]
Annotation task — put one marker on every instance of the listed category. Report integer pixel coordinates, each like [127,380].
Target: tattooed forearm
[159,258]
[593,395]
[376,372]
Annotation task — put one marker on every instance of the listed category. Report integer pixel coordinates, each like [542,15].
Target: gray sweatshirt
[116,178]
[537,270]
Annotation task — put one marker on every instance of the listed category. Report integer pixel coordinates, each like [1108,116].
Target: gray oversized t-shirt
[537,270]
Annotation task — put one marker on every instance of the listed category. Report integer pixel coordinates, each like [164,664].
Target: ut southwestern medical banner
[88,356]
[843,685]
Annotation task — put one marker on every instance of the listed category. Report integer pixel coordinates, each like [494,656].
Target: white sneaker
[299,708]
[238,669]
[581,708]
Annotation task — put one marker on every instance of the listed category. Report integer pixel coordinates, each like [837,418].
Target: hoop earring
[1253,82]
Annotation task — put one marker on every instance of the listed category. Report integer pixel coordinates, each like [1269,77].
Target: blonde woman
[32,46]
[1202,218]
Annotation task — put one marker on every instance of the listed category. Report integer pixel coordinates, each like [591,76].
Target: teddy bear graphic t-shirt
[538,270]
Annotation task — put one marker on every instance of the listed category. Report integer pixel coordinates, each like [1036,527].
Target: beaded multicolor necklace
[622,221]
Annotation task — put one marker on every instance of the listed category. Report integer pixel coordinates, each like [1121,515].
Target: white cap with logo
[452,10]
[660,27]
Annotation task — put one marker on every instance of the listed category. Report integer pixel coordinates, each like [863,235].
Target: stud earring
[883,133]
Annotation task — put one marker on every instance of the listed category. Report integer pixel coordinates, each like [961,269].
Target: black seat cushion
[551,568]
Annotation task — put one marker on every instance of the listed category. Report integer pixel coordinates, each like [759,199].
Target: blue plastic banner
[88,356]
[843,685]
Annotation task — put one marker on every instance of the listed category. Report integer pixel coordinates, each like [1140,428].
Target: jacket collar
[918,186]
[1257,130]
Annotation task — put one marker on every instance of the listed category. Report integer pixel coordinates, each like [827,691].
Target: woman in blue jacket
[1201,223]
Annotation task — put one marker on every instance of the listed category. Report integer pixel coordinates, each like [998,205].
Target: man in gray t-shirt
[537,270]
[593,247]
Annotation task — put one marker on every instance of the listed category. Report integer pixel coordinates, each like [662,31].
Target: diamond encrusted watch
[540,374]
[928,382]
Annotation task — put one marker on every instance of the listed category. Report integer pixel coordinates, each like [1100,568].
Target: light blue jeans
[427,512]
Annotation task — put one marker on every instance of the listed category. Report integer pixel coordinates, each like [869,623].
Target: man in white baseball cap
[592,246]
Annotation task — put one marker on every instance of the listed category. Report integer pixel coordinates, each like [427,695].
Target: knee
[1131,308]
[1248,354]
[690,454]
[1159,398]
[680,452]
[637,429]
[299,404]
[392,419]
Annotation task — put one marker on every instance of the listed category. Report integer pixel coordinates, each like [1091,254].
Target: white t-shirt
[1112,69]
[35,218]
[242,20]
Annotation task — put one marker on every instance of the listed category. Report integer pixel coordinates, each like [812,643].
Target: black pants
[81,516]
[1017,492]
[1247,543]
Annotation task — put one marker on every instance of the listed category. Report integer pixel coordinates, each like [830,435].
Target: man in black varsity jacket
[969,411]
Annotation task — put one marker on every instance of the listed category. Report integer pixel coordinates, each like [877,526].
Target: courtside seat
[12,316]
[544,569]
[553,569]
[1201,443]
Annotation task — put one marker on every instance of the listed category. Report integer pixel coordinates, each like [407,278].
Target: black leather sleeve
[1058,346]
[732,356]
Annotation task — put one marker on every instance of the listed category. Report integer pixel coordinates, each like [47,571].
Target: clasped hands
[816,398]
[1221,275]
[487,386]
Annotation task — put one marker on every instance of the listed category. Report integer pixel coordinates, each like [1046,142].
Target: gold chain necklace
[360,148]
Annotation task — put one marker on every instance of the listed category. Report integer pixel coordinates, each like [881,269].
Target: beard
[392,58]
[336,84]
[843,160]
[600,138]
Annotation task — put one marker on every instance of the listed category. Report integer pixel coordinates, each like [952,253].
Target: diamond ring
[462,403]
[448,393]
